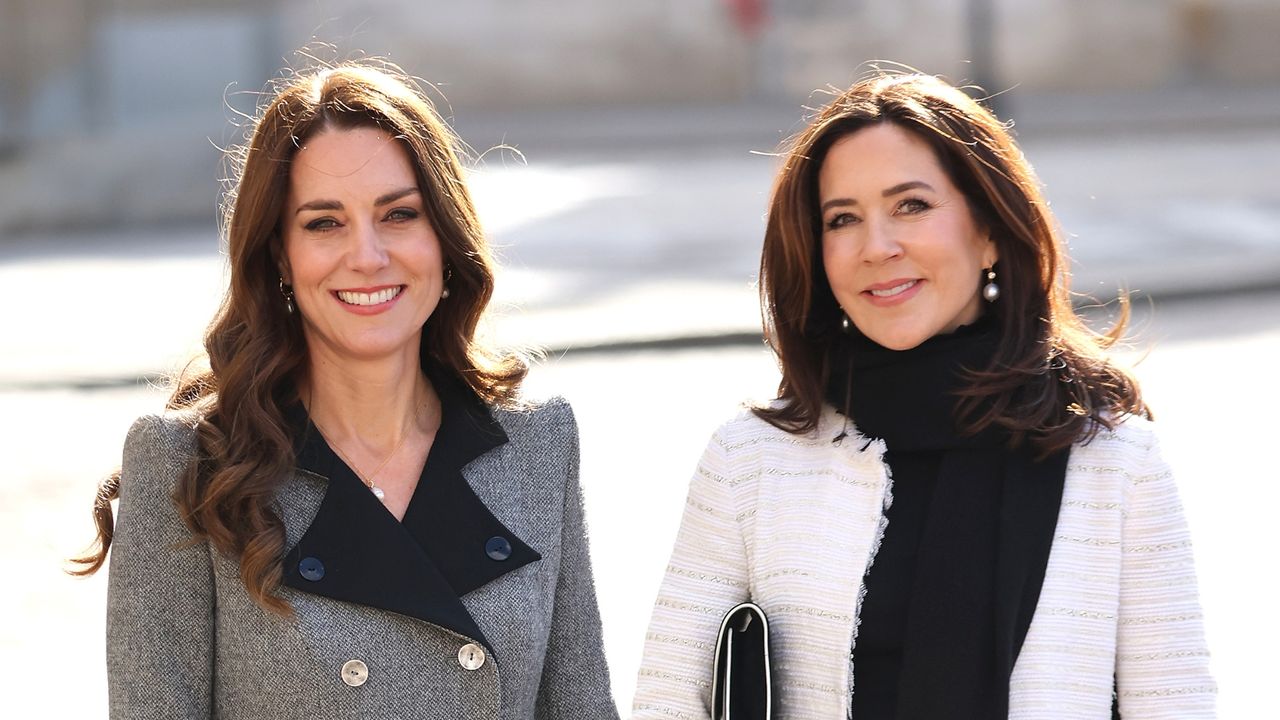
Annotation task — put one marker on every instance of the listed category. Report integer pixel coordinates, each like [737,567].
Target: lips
[881,291]
[892,292]
[373,297]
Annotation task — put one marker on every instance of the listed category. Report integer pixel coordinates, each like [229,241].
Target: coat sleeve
[575,675]
[1162,659]
[706,576]
[160,591]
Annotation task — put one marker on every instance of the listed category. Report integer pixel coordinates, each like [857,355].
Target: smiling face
[359,250]
[900,247]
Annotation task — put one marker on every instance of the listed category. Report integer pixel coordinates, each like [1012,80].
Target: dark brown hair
[256,350]
[1050,382]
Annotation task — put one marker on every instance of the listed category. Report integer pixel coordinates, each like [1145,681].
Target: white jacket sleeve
[1162,660]
[706,576]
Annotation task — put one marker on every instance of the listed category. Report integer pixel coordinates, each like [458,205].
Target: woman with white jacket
[956,507]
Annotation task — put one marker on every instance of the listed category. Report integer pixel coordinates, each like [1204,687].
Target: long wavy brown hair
[256,351]
[1050,382]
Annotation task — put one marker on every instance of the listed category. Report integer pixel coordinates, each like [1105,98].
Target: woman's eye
[840,220]
[913,205]
[402,214]
[319,224]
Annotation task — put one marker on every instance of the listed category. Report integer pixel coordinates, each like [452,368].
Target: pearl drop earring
[991,291]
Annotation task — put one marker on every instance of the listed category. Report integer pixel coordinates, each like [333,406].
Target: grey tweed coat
[489,611]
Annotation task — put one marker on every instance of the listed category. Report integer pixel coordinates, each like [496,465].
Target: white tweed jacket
[794,522]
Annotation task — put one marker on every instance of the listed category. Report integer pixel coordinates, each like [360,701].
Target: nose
[367,253]
[881,243]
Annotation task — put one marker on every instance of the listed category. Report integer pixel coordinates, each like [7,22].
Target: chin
[904,343]
[896,338]
[376,347]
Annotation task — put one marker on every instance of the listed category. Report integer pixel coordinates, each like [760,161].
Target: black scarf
[990,525]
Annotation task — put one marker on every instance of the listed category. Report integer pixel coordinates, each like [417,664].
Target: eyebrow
[899,188]
[390,197]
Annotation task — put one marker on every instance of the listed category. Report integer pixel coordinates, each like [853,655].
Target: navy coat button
[497,548]
[311,569]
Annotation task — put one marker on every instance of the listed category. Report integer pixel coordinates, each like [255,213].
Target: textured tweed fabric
[184,640]
[793,522]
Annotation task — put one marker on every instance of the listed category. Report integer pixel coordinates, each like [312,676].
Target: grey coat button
[471,656]
[355,673]
[498,548]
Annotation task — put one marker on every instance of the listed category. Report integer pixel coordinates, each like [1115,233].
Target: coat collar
[448,544]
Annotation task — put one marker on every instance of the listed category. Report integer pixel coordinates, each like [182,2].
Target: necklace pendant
[377,492]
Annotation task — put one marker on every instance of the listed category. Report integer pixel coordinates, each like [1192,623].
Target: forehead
[882,153]
[338,156]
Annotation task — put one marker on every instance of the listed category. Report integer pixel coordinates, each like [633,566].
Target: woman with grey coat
[351,512]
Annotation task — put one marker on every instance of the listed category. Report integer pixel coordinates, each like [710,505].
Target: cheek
[837,263]
[290,263]
[309,264]
[432,254]
[423,261]
[302,266]
[962,255]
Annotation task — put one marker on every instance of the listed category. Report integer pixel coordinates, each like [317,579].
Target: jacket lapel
[355,551]
[466,542]
[449,543]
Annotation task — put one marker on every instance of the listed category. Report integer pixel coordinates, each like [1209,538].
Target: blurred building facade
[110,82]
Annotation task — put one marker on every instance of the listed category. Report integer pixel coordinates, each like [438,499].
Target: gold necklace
[368,481]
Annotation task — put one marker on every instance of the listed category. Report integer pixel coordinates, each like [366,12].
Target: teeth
[375,298]
[894,290]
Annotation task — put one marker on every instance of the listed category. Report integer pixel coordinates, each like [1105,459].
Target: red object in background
[749,15]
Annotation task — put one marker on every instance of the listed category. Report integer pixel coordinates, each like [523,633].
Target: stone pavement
[1218,347]
[655,240]
[645,227]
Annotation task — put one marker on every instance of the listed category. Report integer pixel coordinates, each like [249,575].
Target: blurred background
[622,166]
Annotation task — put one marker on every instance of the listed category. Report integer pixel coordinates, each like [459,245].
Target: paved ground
[1208,373]
[659,242]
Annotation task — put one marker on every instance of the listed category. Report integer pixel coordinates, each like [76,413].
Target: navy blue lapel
[449,543]
[469,545]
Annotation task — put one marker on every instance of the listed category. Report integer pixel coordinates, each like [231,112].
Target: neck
[374,403]
[910,398]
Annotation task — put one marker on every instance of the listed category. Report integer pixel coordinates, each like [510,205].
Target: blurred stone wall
[92,64]
[534,53]
[98,96]
[1039,45]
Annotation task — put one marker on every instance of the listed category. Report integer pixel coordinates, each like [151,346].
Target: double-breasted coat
[479,604]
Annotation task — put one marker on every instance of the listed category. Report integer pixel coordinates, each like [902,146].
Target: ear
[281,260]
[990,253]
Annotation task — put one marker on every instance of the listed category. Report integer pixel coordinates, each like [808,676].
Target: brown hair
[256,349]
[1049,382]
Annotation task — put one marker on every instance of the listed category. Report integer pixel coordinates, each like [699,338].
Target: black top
[882,632]
[952,588]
